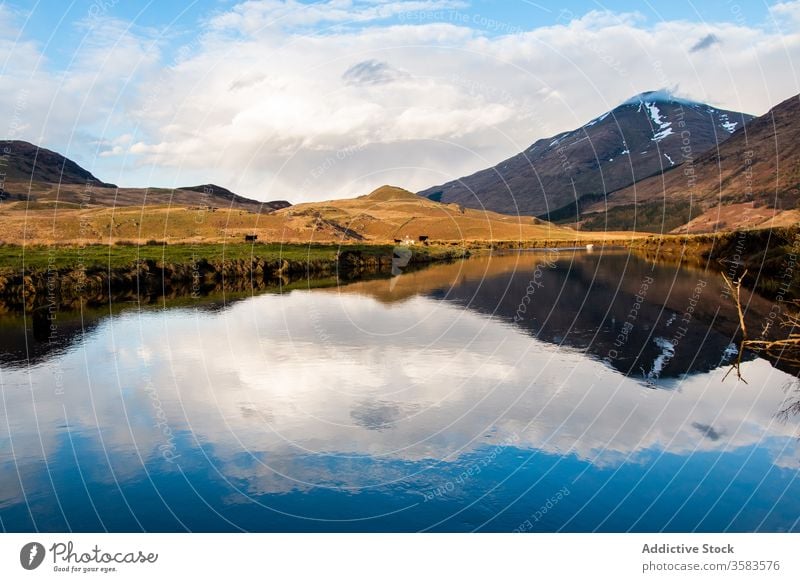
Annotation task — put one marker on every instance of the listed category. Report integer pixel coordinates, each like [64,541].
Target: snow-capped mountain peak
[644,136]
[658,96]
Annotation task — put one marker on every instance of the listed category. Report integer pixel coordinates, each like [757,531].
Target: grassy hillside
[378,218]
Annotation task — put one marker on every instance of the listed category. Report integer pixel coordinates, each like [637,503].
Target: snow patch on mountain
[659,135]
[727,124]
[598,119]
[655,113]
[557,139]
[664,127]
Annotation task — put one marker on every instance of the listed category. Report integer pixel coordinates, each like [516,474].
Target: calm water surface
[533,391]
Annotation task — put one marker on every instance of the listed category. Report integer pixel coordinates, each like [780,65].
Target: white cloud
[270,90]
[787,13]
[72,108]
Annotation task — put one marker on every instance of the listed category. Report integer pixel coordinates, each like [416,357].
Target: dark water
[537,392]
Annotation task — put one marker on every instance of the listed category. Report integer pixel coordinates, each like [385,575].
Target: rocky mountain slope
[752,180]
[25,162]
[558,177]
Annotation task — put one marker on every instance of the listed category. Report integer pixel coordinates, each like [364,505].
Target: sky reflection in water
[408,405]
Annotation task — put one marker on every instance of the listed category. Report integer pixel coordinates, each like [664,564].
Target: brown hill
[220,194]
[752,179]
[386,215]
[38,195]
[385,193]
[390,213]
[34,175]
[84,211]
[557,177]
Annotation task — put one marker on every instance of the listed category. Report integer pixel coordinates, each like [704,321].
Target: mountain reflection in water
[644,320]
[429,401]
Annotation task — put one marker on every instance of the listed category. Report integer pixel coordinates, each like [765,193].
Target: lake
[535,391]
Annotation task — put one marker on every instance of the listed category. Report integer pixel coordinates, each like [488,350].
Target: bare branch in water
[785,350]
[736,293]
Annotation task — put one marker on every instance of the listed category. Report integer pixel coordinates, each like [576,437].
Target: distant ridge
[30,173]
[20,160]
[218,192]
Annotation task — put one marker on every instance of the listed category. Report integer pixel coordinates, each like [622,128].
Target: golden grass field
[740,216]
[381,217]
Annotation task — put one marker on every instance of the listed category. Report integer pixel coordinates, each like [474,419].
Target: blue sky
[54,23]
[312,100]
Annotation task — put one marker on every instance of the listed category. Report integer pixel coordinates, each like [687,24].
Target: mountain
[31,174]
[20,160]
[556,177]
[752,180]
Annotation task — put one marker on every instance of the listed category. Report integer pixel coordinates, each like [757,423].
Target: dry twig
[785,350]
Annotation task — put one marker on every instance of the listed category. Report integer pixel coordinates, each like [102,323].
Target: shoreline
[68,275]
[765,259]
[38,274]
